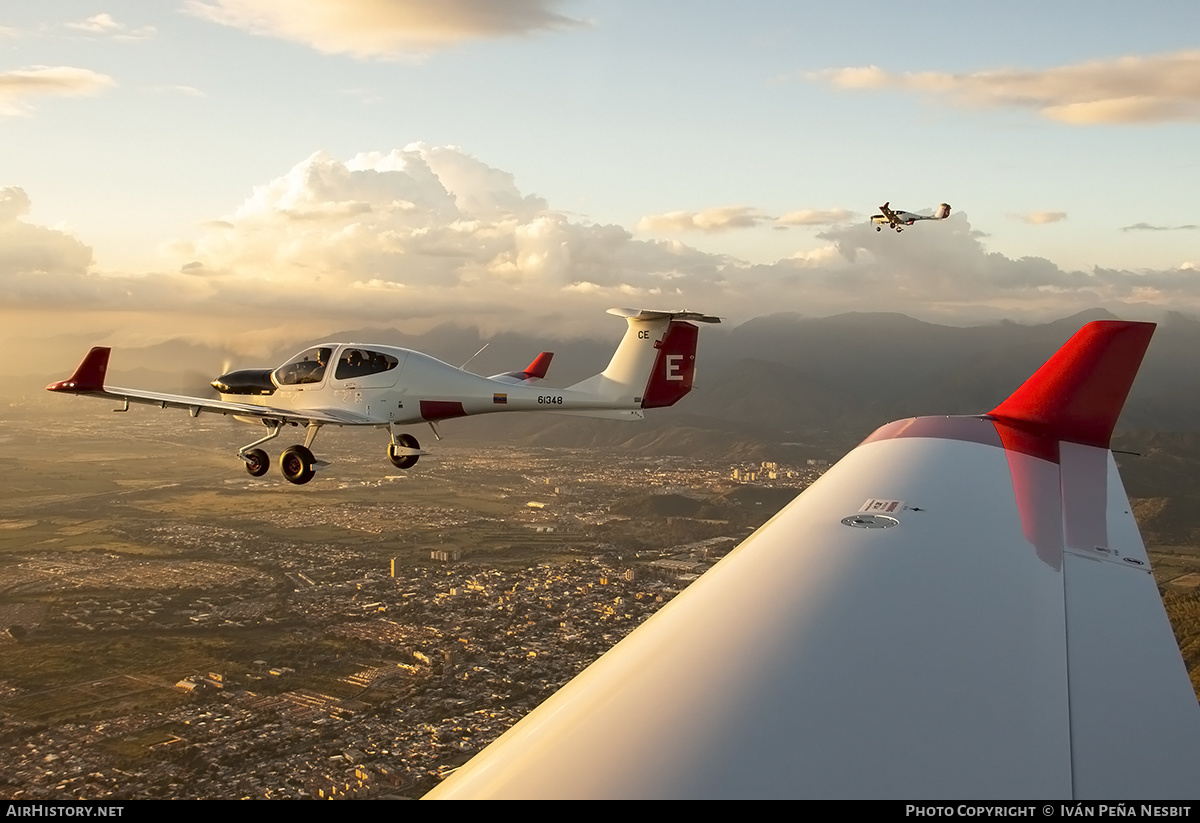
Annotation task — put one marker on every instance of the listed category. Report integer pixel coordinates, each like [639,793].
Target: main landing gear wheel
[257,462]
[404,461]
[297,465]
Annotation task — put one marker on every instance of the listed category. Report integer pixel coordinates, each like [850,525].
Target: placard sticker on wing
[880,506]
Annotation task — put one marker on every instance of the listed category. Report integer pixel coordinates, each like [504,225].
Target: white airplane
[899,219]
[961,608]
[351,384]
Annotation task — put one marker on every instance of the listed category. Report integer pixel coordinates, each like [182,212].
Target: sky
[239,173]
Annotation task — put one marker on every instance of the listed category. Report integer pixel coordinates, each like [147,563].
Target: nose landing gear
[404,451]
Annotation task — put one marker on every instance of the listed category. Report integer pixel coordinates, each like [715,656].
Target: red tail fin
[674,368]
[1079,392]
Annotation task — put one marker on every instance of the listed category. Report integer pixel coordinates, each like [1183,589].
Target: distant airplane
[961,608]
[352,384]
[899,219]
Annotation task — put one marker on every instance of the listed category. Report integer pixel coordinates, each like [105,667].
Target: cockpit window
[361,362]
[306,367]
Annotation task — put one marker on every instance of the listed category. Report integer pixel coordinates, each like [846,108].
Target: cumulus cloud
[1152,89]
[720,218]
[383,28]
[105,25]
[423,234]
[18,87]
[428,231]
[1039,218]
[1148,227]
[815,217]
[416,232]
[34,259]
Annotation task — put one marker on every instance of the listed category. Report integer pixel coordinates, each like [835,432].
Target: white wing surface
[961,608]
[90,376]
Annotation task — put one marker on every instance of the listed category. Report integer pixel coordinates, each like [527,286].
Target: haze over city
[249,171]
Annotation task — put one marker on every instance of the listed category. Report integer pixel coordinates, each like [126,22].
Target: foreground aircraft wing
[961,608]
[89,379]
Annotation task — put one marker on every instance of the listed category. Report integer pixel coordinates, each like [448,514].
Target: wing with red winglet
[90,375]
[532,373]
[961,608]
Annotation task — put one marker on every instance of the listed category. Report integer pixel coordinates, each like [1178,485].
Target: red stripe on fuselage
[441,409]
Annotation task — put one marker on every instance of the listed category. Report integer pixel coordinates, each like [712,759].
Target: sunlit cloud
[722,218]
[1153,89]
[815,217]
[19,87]
[419,234]
[1039,218]
[383,28]
[105,25]
[33,259]
[822,257]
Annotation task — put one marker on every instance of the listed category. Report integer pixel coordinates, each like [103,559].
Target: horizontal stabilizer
[654,314]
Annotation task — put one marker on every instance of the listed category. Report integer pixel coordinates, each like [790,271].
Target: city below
[174,628]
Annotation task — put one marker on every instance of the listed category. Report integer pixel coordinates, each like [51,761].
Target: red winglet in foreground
[1080,391]
[952,611]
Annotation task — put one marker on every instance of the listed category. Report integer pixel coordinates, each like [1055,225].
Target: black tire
[406,461]
[297,465]
[257,462]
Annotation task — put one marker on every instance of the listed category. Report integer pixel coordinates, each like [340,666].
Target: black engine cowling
[245,381]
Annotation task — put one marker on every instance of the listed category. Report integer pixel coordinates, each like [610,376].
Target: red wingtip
[540,365]
[1080,391]
[89,375]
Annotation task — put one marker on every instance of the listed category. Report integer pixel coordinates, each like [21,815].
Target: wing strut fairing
[960,608]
